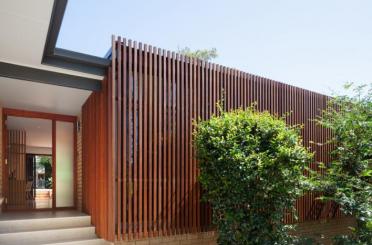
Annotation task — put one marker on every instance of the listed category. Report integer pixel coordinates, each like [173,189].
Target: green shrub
[252,171]
[349,176]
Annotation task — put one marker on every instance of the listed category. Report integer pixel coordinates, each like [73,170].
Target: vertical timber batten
[149,100]
[98,157]
[112,146]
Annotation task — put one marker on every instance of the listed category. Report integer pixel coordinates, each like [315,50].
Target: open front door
[39,160]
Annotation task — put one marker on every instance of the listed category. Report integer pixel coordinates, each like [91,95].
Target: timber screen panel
[156,96]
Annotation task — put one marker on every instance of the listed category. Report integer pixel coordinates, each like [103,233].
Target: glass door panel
[64,164]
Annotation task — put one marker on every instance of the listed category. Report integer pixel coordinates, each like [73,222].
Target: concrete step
[83,242]
[22,225]
[48,236]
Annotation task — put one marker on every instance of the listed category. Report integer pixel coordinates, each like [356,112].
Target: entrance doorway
[39,193]
[39,164]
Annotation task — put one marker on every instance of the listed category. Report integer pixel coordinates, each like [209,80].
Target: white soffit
[38,131]
[23,30]
[25,95]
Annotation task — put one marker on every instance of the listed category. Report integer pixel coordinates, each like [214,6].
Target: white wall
[1,151]
[38,150]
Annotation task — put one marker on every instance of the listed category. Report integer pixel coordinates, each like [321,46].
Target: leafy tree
[252,167]
[203,54]
[349,177]
[46,162]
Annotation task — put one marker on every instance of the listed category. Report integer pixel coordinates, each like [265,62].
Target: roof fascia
[65,58]
[48,77]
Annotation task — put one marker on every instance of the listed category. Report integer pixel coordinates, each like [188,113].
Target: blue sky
[317,44]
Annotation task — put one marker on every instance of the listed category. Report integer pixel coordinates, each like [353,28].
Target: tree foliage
[46,162]
[348,181]
[203,54]
[252,171]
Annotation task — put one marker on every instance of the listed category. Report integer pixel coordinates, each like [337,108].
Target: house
[99,149]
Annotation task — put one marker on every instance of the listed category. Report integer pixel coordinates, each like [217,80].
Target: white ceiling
[23,30]
[23,26]
[38,131]
[25,95]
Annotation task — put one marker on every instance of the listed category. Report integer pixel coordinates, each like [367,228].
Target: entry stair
[48,227]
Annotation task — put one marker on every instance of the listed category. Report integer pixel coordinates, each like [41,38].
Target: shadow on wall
[1,151]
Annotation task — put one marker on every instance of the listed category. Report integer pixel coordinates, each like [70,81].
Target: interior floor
[33,204]
[43,199]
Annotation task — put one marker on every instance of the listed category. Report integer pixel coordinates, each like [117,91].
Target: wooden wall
[97,200]
[139,166]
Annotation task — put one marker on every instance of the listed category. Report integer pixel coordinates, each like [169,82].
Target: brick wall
[207,238]
[79,168]
[322,231]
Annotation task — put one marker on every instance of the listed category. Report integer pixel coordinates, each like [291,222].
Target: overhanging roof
[29,30]
[66,58]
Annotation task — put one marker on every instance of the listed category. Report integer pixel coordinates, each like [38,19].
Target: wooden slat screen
[16,141]
[158,94]
[97,200]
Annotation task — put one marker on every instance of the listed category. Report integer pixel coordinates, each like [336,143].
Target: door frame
[54,118]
